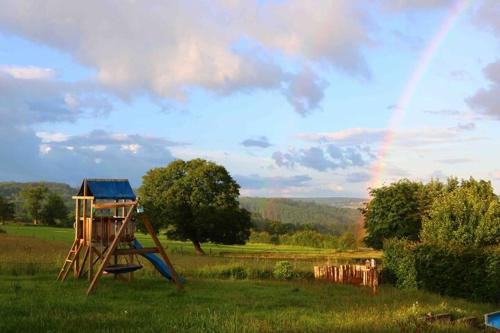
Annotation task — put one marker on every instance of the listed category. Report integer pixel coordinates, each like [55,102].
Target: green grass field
[214,299]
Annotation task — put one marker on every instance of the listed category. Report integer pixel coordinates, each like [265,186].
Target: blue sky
[293,97]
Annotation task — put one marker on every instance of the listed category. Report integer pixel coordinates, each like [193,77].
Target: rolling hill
[285,210]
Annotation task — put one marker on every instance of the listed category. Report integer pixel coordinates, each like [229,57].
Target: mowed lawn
[32,301]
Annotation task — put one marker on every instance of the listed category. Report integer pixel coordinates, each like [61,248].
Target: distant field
[214,300]
[238,251]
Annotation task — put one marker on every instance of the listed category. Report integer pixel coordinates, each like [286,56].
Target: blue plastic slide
[157,262]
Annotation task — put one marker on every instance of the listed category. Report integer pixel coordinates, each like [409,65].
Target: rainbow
[410,88]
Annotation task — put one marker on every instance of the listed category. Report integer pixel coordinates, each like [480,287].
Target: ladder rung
[69,260]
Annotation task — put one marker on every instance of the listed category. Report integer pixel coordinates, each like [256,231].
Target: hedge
[472,273]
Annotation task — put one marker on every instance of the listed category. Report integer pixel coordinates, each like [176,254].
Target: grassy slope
[30,299]
[263,250]
[40,304]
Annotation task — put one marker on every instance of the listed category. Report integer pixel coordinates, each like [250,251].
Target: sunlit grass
[223,294]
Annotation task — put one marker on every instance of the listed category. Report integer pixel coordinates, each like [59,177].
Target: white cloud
[96,148]
[133,148]
[45,149]
[402,137]
[28,72]
[48,137]
[348,136]
[167,47]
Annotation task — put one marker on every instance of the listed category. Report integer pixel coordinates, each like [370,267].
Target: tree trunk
[197,248]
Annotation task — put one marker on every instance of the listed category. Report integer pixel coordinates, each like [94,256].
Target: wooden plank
[121,252]
[64,268]
[163,254]
[109,252]
[76,197]
[103,205]
[85,256]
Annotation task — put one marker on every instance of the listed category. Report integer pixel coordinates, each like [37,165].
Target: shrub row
[472,273]
[283,270]
[309,238]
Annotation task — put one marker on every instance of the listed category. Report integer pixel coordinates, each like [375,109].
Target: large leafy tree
[394,211]
[198,200]
[468,214]
[7,210]
[54,211]
[33,200]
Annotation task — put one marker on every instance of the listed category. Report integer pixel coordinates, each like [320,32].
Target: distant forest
[11,192]
[332,215]
[323,217]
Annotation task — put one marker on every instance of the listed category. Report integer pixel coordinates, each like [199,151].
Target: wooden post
[109,252]
[163,254]
[130,261]
[90,225]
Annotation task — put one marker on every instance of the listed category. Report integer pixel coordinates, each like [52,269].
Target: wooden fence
[364,275]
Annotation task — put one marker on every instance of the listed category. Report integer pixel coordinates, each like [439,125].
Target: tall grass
[222,294]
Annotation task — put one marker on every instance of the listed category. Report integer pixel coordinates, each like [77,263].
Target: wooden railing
[364,275]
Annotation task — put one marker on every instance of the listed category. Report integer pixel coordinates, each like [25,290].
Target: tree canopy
[198,199]
[34,197]
[6,209]
[467,214]
[394,211]
[54,210]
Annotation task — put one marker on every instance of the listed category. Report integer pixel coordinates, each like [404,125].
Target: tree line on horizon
[38,203]
[199,201]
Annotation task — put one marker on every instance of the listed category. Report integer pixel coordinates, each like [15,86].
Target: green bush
[399,263]
[2,231]
[466,272]
[260,237]
[283,270]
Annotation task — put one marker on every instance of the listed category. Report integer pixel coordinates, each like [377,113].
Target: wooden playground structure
[363,275]
[105,212]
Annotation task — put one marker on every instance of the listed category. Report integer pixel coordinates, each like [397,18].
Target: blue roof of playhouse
[109,189]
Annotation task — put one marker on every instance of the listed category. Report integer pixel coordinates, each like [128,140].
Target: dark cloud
[487,16]
[260,142]
[358,177]
[486,101]
[260,182]
[305,92]
[284,159]
[27,102]
[70,158]
[107,155]
[324,158]
[27,155]
[315,158]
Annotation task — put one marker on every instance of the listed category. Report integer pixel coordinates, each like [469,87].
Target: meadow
[229,290]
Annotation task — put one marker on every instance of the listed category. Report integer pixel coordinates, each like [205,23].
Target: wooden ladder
[70,258]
